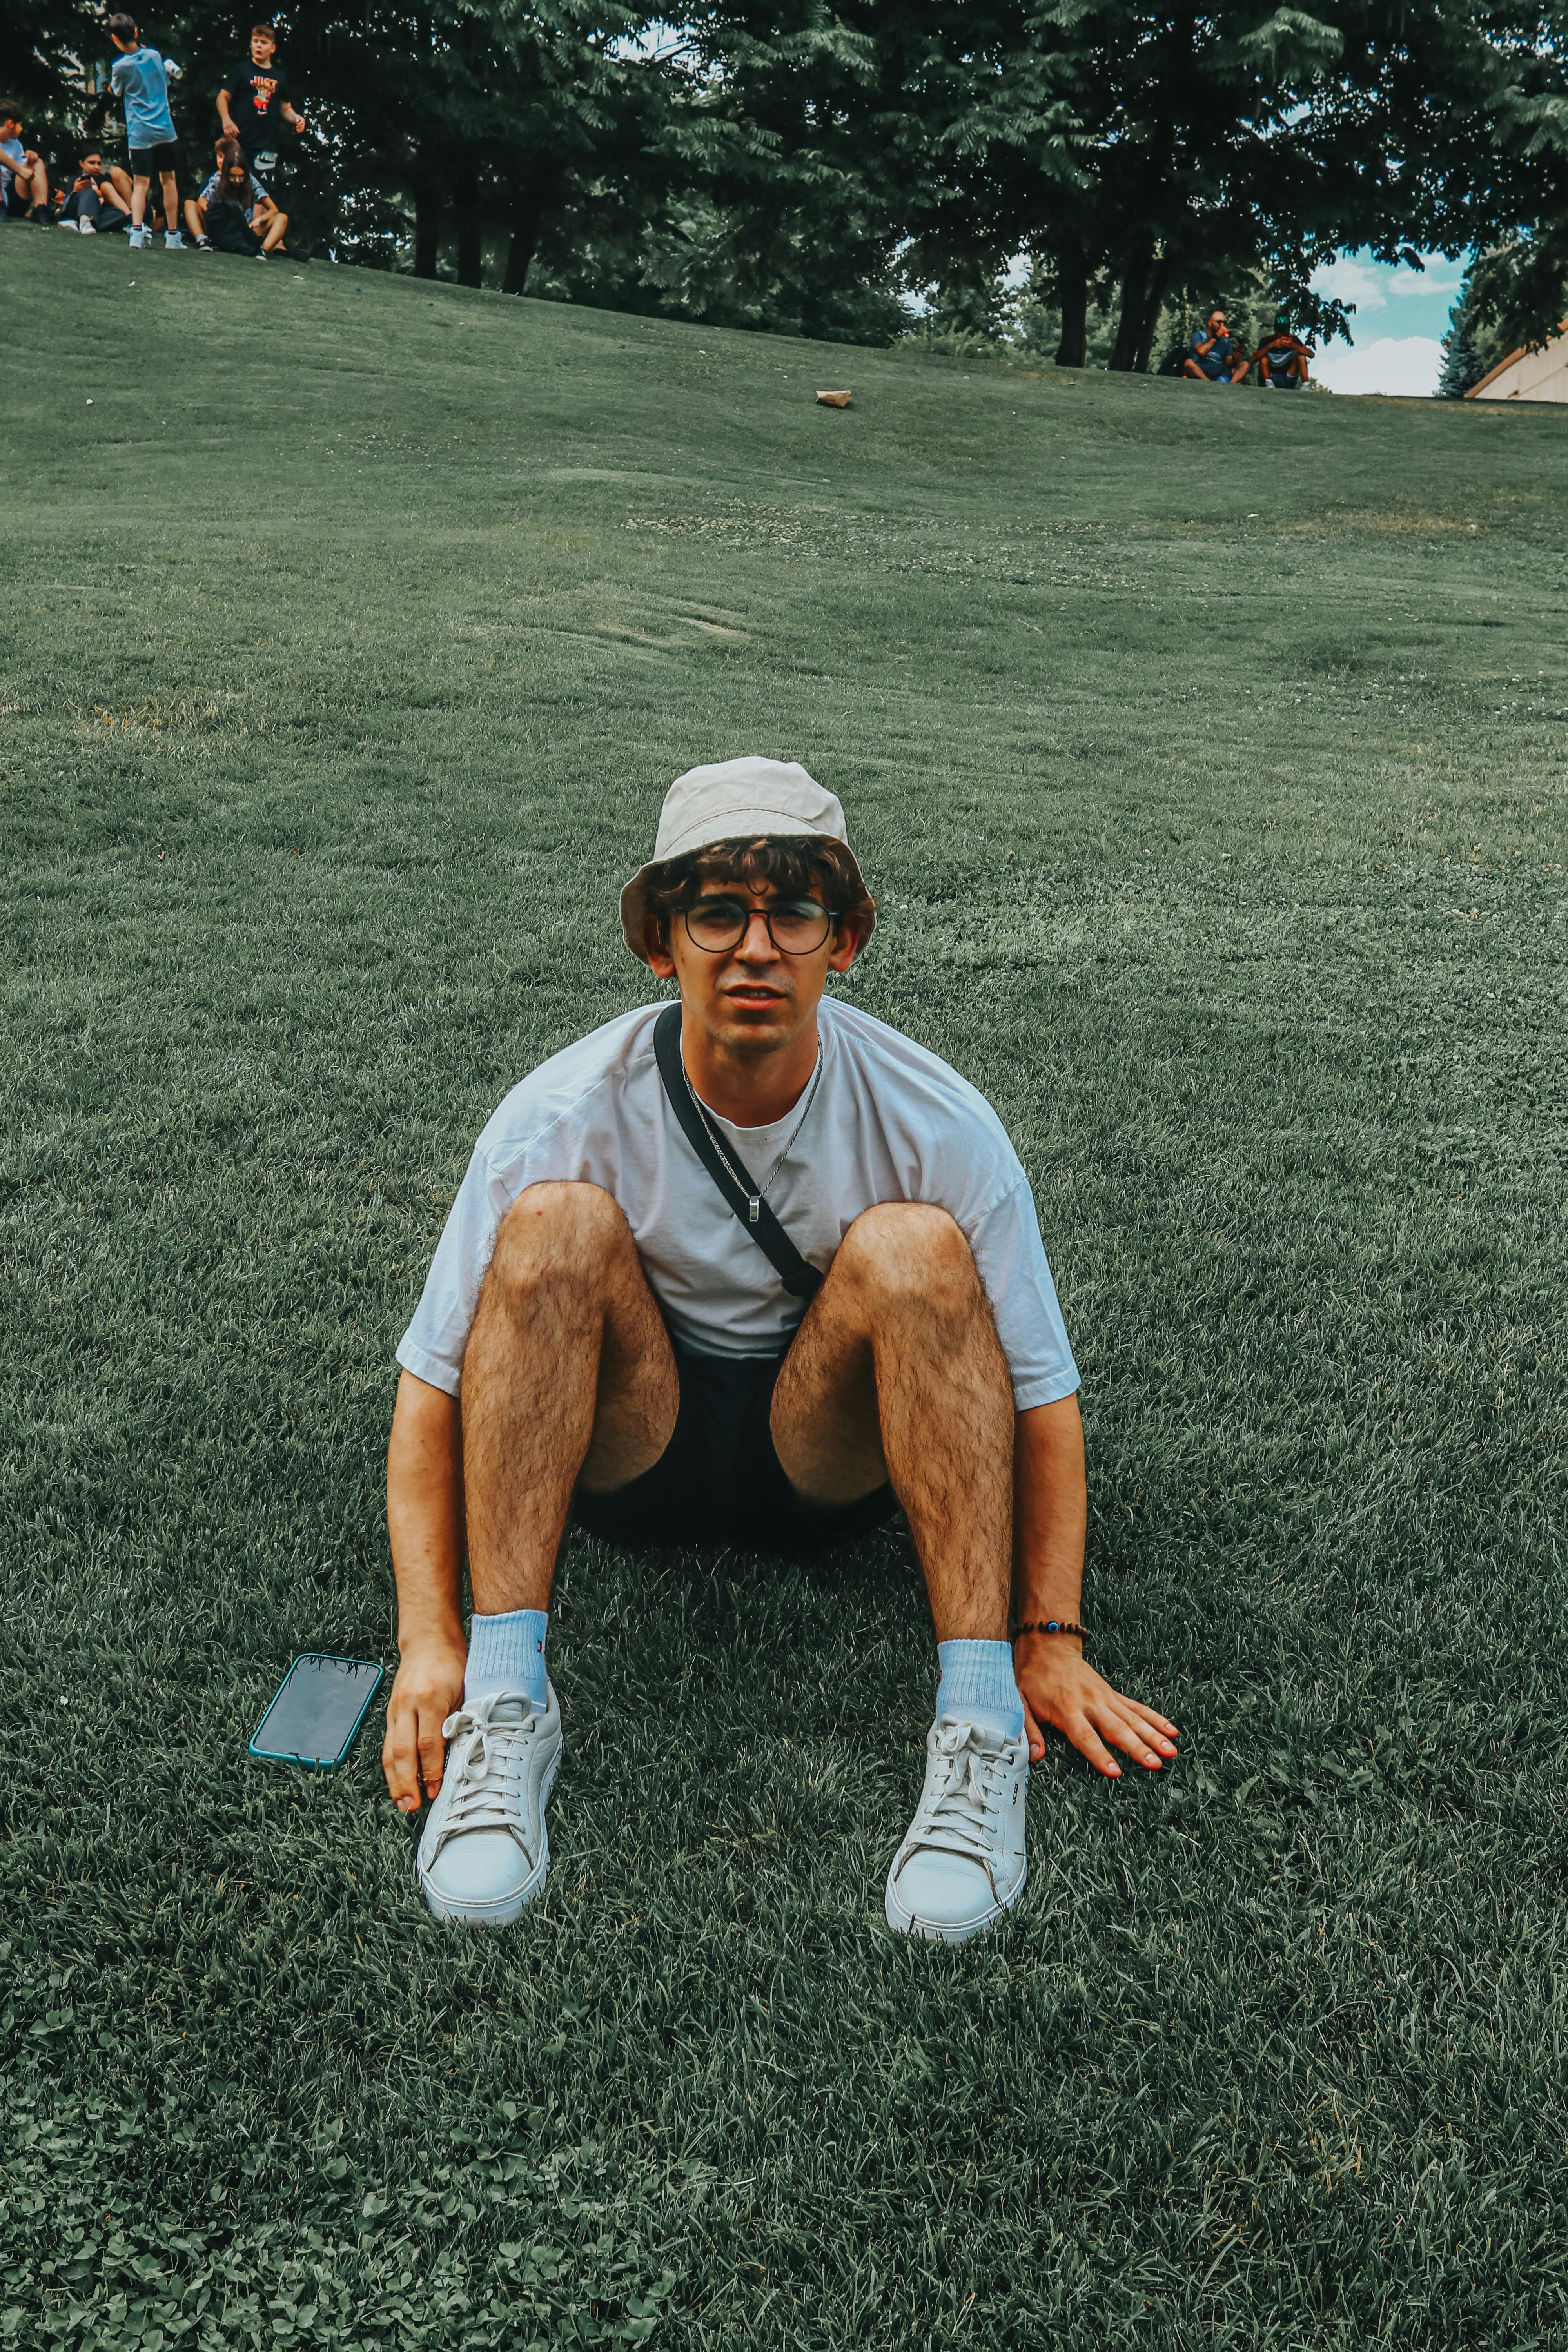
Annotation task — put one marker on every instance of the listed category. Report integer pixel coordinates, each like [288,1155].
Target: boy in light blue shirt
[141,82]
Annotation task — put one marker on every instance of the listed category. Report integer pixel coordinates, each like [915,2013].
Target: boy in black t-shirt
[255,102]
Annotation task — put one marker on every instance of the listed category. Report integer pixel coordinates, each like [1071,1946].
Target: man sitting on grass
[1216,356]
[753,1267]
[1282,359]
[95,201]
[24,176]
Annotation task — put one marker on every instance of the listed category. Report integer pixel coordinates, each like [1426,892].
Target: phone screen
[318,1708]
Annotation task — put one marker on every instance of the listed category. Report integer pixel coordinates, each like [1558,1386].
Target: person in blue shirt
[23,179]
[1216,356]
[1282,359]
[141,83]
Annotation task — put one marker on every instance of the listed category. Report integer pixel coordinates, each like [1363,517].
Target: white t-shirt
[882,1120]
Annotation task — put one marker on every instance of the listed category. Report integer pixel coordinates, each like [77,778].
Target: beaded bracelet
[1050,1625]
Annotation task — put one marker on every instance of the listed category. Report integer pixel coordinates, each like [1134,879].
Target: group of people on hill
[1215,356]
[237,210]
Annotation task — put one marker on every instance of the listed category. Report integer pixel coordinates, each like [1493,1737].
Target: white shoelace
[489,1771]
[959,1812]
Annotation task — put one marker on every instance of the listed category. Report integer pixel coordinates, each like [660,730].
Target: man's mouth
[755,993]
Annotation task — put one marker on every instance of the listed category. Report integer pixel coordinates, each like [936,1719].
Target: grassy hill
[1206,752]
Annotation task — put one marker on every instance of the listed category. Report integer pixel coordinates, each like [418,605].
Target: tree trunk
[427,228]
[1135,304]
[1072,298]
[1154,302]
[529,210]
[465,180]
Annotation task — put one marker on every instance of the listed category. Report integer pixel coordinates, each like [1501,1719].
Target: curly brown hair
[797,866]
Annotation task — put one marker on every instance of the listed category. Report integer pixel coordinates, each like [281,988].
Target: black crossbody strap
[801,1280]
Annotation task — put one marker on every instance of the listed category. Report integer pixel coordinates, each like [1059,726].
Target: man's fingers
[432,1752]
[1161,1731]
[1086,1739]
[1134,1737]
[1036,1737]
[400,1757]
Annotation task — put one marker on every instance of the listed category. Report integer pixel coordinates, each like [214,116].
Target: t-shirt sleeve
[432,1347]
[209,191]
[1010,1258]
[117,73]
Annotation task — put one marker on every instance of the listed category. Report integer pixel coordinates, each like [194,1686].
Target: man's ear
[659,955]
[847,943]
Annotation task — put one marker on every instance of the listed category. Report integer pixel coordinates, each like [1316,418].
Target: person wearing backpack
[753,1267]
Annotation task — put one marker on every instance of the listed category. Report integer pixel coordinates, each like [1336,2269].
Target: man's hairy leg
[568,1374]
[897,1373]
[568,1366]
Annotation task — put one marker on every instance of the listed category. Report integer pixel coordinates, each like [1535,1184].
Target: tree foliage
[794,166]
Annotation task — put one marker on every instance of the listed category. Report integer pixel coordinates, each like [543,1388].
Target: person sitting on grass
[1215,356]
[24,176]
[233,212]
[140,79]
[753,1267]
[1282,359]
[95,201]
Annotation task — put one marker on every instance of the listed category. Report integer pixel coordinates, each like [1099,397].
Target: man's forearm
[425,1513]
[1050,1512]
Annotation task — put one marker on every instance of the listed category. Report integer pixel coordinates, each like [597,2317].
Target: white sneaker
[962,1862]
[85,228]
[138,237]
[172,241]
[70,225]
[484,1851]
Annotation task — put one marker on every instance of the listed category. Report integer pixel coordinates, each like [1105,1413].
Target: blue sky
[1398,326]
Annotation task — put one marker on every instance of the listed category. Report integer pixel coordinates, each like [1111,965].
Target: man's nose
[756,940]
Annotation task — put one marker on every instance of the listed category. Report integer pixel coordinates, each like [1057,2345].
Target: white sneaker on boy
[172,241]
[484,1851]
[138,237]
[962,1862]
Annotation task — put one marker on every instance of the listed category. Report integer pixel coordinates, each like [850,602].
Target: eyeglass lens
[796,926]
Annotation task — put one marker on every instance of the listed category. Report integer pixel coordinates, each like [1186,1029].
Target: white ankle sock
[977,1685]
[507,1653]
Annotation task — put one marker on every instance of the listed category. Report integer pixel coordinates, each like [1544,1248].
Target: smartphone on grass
[316,1711]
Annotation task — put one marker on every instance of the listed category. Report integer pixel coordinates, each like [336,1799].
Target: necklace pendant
[754,1208]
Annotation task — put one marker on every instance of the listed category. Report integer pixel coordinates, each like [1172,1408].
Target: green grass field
[1207,759]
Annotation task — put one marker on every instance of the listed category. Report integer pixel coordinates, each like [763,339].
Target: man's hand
[1059,1687]
[428,1689]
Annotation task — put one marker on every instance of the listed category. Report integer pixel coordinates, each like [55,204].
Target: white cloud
[1369,284]
[1353,281]
[1406,367]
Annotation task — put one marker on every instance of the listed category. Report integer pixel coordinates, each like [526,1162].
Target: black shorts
[718,1479]
[15,207]
[151,162]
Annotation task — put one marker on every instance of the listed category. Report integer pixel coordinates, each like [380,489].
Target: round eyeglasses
[796,926]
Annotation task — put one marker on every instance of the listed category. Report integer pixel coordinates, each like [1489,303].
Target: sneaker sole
[502,1912]
[925,1931]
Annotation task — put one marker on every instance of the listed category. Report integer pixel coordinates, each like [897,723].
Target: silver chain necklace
[753,1200]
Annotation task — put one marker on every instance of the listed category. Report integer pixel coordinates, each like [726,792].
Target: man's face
[1216,323]
[751,996]
[262,49]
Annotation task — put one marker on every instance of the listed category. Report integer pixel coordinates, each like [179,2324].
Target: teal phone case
[272,1751]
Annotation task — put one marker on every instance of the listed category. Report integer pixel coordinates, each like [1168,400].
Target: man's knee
[909,1252]
[559,1233]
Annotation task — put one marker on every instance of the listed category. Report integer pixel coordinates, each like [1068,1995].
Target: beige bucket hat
[735,800]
